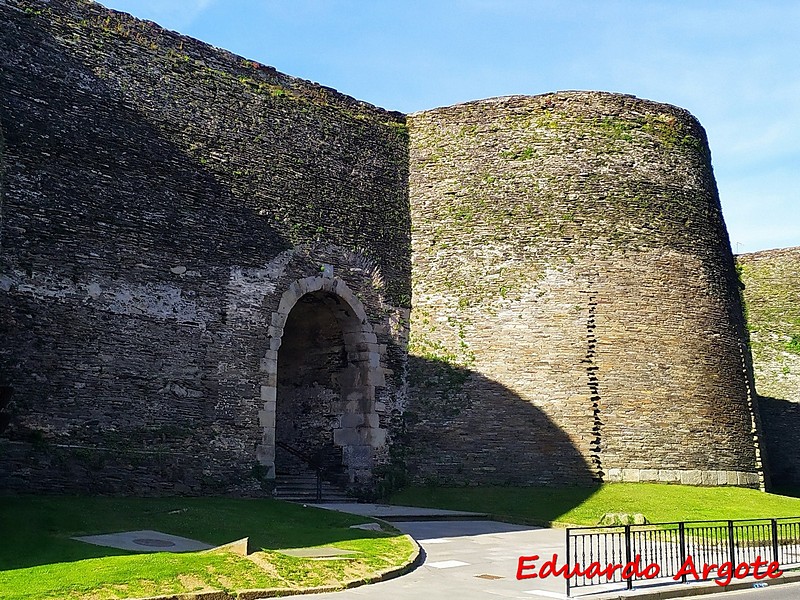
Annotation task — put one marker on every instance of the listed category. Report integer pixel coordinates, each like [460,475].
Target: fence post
[568,561]
[775,541]
[682,536]
[732,544]
[629,583]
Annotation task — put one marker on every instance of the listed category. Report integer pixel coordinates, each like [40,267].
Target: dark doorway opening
[311,359]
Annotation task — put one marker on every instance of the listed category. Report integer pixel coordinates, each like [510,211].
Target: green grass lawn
[582,506]
[39,560]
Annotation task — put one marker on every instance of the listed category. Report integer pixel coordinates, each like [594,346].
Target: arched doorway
[308,407]
[321,373]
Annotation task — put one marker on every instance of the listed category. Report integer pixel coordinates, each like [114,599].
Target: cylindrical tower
[576,307]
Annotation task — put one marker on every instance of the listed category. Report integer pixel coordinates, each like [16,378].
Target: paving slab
[390,512]
[477,560]
[145,541]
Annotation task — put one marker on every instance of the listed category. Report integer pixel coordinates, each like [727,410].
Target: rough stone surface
[772,293]
[166,205]
[574,283]
[205,261]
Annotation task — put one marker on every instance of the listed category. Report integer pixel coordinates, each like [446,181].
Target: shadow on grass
[37,530]
[792,492]
[535,505]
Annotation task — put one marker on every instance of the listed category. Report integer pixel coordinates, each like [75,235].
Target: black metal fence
[669,545]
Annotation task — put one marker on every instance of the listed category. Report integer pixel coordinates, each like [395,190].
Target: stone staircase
[301,486]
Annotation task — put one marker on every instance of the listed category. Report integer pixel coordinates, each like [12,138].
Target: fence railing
[669,545]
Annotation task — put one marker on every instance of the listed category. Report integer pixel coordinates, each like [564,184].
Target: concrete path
[466,556]
[478,559]
[389,512]
[468,560]
[145,541]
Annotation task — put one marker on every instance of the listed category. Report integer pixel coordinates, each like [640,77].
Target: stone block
[669,476]
[630,475]
[614,475]
[376,437]
[709,478]
[288,300]
[266,418]
[275,332]
[358,457]
[352,420]
[376,377]
[265,455]
[269,393]
[348,436]
[692,477]
[648,475]
[748,479]
[374,360]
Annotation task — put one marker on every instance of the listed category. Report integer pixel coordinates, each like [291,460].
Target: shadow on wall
[98,195]
[121,187]
[781,424]
[128,200]
[465,429]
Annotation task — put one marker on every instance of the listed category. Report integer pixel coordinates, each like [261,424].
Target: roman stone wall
[166,205]
[772,293]
[204,261]
[576,309]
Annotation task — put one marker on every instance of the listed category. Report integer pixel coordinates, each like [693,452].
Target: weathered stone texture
[570,249]
[772,294]
[160,197]
[204,259]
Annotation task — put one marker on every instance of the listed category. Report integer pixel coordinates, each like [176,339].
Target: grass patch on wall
[571,505]
[39,560]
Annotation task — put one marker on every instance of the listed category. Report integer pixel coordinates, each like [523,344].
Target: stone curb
[414,560]
[682,590]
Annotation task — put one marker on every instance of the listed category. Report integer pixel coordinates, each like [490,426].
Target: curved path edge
[414,560]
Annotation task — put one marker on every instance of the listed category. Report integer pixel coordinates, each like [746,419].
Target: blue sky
[735,64]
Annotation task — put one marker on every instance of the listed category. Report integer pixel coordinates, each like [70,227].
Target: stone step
[302,487]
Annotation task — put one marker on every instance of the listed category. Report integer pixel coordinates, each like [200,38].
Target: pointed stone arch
[357,429]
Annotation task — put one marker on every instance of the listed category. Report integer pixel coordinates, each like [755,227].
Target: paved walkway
[390,512]
[477,560]
[464,559]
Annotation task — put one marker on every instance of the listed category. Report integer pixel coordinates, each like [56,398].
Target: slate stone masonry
[160,198]
[200,257]
[570,248]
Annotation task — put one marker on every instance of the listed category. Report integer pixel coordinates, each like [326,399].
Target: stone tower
[207,270]
[570,260]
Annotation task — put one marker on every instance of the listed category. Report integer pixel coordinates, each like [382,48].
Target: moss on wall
[570,249]
[161,195]
[771,282]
